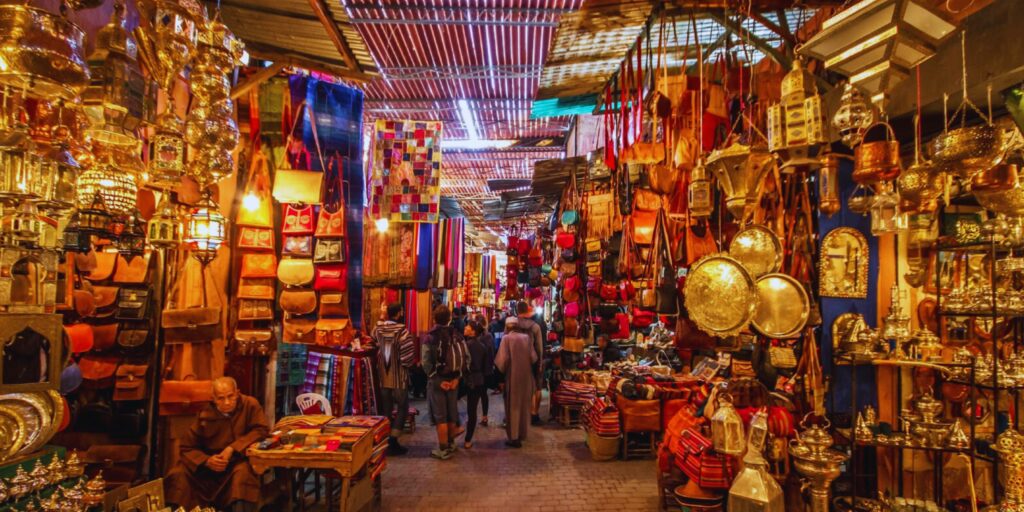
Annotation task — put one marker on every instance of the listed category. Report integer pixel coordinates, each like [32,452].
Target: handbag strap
[305,108]
[333,198]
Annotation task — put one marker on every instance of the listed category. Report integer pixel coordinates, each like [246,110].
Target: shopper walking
[516,358]
[395,355]
[445,360]
[491,377]
[532,328]
[481,356]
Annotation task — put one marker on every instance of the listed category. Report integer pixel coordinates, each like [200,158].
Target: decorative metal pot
[1010,447]
[996,178]
[816,462]
[877,160]
[919,186]
[41,52]
[739,169]
[969,150]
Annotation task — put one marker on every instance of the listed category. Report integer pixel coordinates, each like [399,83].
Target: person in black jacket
[445,360]
[481,365]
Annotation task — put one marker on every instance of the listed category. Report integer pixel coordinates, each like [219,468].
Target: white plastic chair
[307,400]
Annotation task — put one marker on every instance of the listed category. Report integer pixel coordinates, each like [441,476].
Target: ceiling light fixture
[468,121]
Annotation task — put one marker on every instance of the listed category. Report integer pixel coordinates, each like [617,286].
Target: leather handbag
[297,187]
[331,219]
[84,300]
[297,246]
[639,415]
[254,342]
[331,278]
[565,239]
[256,288]
[298,220]
[104,336]
[198,324]
[132,304]
[130,382]
[571,310]
[258,186]
[300,330]
[105,298]
[330,225]
[80,337]
[184,397]
[104,269]
[259,265]
[329,251]
[333,305]
[132,337]
[256,239]
[298,302]
[642,318]
[98,372]
[663,178]
[251,309]
[334,332]
[648,201]
[134,271]
[295,271]
[643,224]
[573,344]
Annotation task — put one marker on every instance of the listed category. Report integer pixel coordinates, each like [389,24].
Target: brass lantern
[877,42]
[23,226]
[132,240]
[164,228]
[75,239]
[853,116]
[700,196]
[20,166]
[829,201]
[796,126]
[886,216]
[117,188]
[61,174]
[740,169]
[727,427]
[207,229]
[167,152]
[95,219]
[754,489]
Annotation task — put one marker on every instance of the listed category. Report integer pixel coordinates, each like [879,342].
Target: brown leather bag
[184,397]
[334,332]
[643,223]
[647,200]
[130,382]
[256,288]
[84,300]
[104,336]
[300,330]
[131,338]
[334,305]
[97,372]
[105,298]
[259,264]
[298,301]
[295,271]
[639,415]
[131,272]
[663,178]
[254,342]
[250,309]
[105,263]
[191,325]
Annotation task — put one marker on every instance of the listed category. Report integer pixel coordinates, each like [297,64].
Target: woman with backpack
[445,360]
[516,358]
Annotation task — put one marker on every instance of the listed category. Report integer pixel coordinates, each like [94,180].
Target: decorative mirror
[32,352]
[843,266]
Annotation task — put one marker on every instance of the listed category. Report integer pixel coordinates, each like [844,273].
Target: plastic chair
[308,400]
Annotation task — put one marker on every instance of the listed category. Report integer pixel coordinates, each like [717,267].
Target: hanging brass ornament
[41,53]
[727,427]
[739,169]
[117,189]
[796,126]
[829,202]
[699,194]
[20,166]
[853,116]
[131,242]
[878,159]
[207,229]
[164,229]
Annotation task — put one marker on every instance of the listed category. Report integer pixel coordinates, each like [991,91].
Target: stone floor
[553,471]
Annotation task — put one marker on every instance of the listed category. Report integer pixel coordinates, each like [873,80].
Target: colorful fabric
[406,171]
[601,418]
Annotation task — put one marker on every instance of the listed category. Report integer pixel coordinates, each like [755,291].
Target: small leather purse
[132,304]
[259,265]
[131,337]
[334,332]
[298,246]
[334,305]
[104,336]
[295,271]
[250,309]
[105,298]
[98,372]
[298,220]
[298,301]
[130,382]
[329,251]
[256,288]
[256,239]
[331,278]
[104,269]
[131,272]
[300,330]
[254,342]
[330,225]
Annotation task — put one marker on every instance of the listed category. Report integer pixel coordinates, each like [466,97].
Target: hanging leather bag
[295,271]
[298,186]
[298,301]
[199,324]
[258,186]
[298,220]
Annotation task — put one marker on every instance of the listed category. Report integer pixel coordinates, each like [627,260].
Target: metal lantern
[877,42]
[853,116]
[754,489]
[132,240]
[727,427]
[95,219]
[739,169]
[74,238]
[20,166]
[886,216]
[829,201]
[207,229]
[164,229]
[23,227]
[61,172]
[796,126]
[701,197]
[117,189]
[167,152]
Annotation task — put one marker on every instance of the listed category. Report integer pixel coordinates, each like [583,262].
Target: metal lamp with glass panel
[132,240]
[164,229]
[206,229]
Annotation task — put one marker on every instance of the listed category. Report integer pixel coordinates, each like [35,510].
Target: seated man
[213,470]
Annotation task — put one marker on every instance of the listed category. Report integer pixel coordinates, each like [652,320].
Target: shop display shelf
[984,314]
[987,387]
[845,435]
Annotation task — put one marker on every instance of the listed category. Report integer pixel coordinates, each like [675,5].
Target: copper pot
[41,51]
[996,179]
[878,160]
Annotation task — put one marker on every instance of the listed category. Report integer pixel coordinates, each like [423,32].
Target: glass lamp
[207,229]
[20,166]
[164,228]
[118,189]
[829,201]
[132,240]
[700,195]
[95,219]
[727,427]
[23,227]
[754,489]
[74,238]
[877,42]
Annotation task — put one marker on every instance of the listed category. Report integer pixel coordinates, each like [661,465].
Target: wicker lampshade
[118,189]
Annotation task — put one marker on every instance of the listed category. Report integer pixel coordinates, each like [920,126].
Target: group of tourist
[462,357]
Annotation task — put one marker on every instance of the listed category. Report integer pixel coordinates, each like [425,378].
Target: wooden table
[347,463]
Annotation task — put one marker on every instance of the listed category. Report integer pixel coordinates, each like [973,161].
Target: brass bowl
[783,308]
[720,295]
[42,52]
[968,151]
[995,179]
[1007,202]
[758,249]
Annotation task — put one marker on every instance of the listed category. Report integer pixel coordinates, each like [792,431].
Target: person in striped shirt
[395,355]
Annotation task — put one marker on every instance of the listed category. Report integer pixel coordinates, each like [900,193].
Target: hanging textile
[406,171]
[425,261]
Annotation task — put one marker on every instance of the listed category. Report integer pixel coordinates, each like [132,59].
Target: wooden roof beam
[288,58]
[256,79]
[334,34]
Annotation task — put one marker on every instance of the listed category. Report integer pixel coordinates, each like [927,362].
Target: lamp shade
[877,42]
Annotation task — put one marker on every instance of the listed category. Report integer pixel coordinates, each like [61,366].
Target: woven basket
[603,448]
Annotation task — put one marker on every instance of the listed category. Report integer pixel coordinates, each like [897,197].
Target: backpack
[452,353]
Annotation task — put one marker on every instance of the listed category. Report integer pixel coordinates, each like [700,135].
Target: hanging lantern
[877,42]
[853,116]
[700,196]
[20,166]
[61,172]
[796,126]
[164,229]
[739,169]
[754,489]
[886,216]
[132,240]
[23,227]
[117,189]
[75,239]
[829,202]
[727,427]
[95,219]
[207,229]
[167,153]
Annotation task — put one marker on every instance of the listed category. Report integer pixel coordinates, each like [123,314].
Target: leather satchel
[334,305]
[130,382]
[643,223]
[84,300]
[104,336]
[639,415]
[191,325]
[131,272]
[331,278]
[573,344]
[330,225]
[299,246]
[256,288]
[132,338]
[259,186]
[105,298]
[256,239]
[254,342]
[334,332]
[648,200]
[298,301]
[80,337]
[299,187]
[249,309]
[329,251]
[132,304]
[259,265]
[298,220]
[97,372]
[104,269]
[300,330]
[295,271]
[184,397]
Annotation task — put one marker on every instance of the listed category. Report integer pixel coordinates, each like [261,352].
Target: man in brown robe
[213,469]
[516,359]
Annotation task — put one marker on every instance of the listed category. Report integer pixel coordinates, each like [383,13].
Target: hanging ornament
[727,427]
[853,116]
[207,229]
[131,242]
[796,126]
[164,229]
[117,189]
[829,202]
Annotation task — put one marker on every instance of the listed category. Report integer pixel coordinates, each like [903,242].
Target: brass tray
[758,249]
[12,432]
[33,412]
[721,296]
[783,308]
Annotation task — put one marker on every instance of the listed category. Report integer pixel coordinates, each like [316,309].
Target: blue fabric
[841,388]
[339,116]
[425,255]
